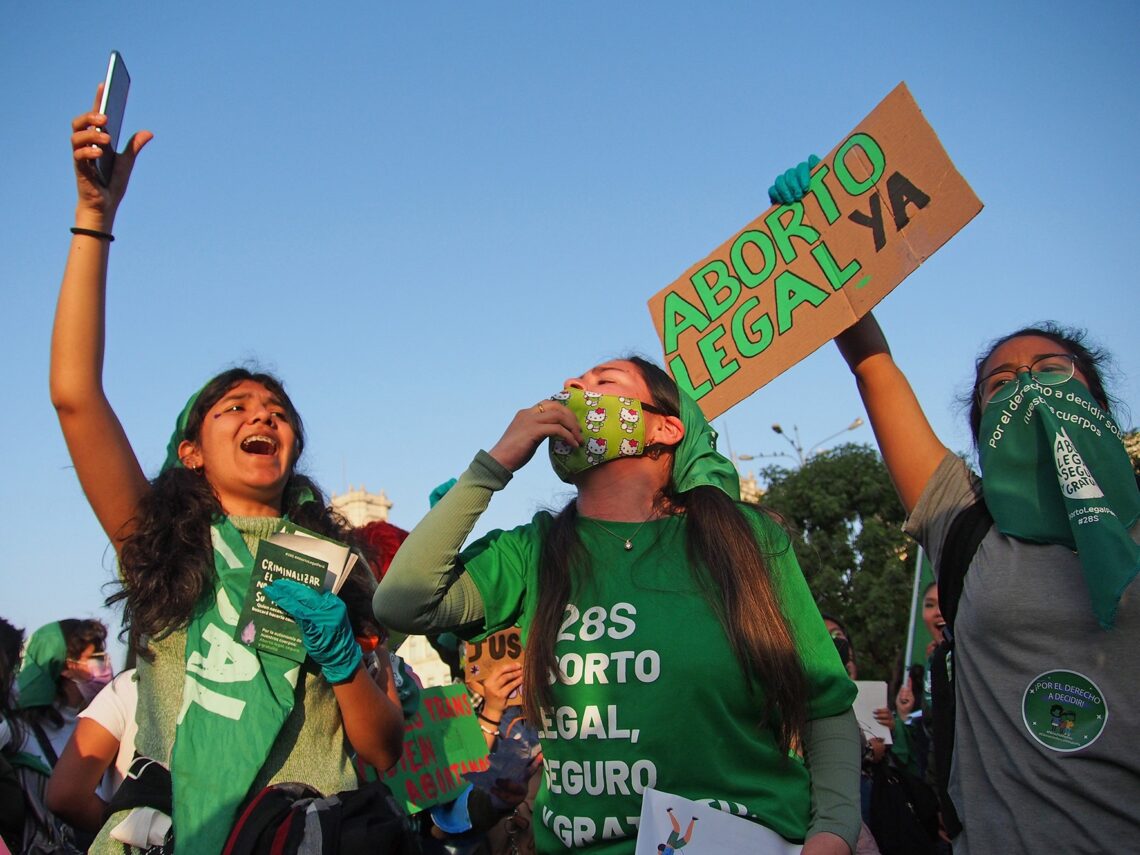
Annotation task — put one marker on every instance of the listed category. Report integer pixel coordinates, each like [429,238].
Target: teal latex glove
[440,491]
[793,184]
[323,619]
[406,687]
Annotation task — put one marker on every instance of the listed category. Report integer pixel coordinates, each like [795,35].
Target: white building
[360,507]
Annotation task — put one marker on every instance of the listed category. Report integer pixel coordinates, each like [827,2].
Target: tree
[846,524]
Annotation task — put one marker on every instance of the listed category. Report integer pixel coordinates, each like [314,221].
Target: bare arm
[373,720]
[496,691]
[108,470]
[88,754]
[909,447]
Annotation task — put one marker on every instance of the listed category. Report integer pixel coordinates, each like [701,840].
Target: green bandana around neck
[235,700]
[612,427]
[44,659]
[1054,470]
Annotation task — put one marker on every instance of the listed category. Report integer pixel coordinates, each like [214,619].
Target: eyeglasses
[1051,369]
[98,659]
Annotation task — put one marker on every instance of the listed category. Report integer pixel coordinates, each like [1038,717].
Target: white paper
[872,696]
[337,556]
[705,827]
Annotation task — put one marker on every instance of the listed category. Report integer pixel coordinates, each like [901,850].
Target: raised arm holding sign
[877,206]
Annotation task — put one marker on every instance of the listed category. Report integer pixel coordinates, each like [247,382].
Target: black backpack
[962,541]
[903,813]
[279,821]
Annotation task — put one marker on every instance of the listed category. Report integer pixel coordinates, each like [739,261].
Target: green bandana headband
[696,462]
[1054,470]
[173,461]
[44,659]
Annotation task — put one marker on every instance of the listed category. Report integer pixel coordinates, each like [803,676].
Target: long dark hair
[728,565]
[1092,361]
[167,562]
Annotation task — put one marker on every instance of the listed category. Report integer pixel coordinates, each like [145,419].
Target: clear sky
[425,216]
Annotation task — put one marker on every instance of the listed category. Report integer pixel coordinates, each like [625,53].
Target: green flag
[918,636]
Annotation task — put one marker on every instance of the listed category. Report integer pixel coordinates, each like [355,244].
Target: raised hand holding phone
[101,188]
[112,104]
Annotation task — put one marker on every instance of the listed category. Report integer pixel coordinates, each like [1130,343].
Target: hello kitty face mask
[612,427]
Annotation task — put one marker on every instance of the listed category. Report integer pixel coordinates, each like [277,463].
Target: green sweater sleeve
[831,752]
[425,590]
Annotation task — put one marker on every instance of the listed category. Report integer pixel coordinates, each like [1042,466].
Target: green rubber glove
[323,619]
[440,491]
[793,184]
[407,688]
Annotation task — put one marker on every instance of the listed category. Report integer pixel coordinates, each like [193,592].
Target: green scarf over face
[44,658]
[696,461]
[1054,470]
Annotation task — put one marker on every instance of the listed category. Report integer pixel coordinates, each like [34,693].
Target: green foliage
[846,522]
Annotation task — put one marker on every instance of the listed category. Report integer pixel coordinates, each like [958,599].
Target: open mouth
[259,444]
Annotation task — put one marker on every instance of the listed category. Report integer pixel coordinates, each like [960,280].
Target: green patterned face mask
[612,427]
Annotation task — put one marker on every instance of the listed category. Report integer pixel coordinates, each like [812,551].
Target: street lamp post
[800,456]
[818,447]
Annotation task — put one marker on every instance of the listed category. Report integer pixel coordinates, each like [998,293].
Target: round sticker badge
[1064,710]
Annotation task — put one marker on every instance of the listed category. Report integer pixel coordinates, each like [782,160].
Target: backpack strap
[962,541]
[45,744]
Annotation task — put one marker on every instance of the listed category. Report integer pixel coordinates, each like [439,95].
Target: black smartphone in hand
[113,105]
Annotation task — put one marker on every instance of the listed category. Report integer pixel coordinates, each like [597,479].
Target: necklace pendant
[628,545]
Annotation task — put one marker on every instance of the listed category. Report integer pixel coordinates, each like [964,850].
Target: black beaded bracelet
[107,236]
[490,720]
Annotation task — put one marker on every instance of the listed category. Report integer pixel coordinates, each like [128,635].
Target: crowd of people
[670,639]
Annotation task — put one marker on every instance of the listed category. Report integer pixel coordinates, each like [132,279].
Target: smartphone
[113,105]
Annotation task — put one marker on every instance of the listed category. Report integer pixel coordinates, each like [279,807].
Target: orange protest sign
[880,204]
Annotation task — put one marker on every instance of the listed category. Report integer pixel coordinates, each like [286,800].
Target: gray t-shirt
[1047,731]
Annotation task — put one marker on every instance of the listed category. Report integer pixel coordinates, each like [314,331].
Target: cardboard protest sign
[442,742]
[486,658]
[880,203]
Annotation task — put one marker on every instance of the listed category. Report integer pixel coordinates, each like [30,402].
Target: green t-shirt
[651,694]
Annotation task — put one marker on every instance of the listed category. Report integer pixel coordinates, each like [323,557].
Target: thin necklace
[628,541]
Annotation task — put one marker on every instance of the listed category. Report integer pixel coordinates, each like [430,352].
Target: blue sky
[425,216]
